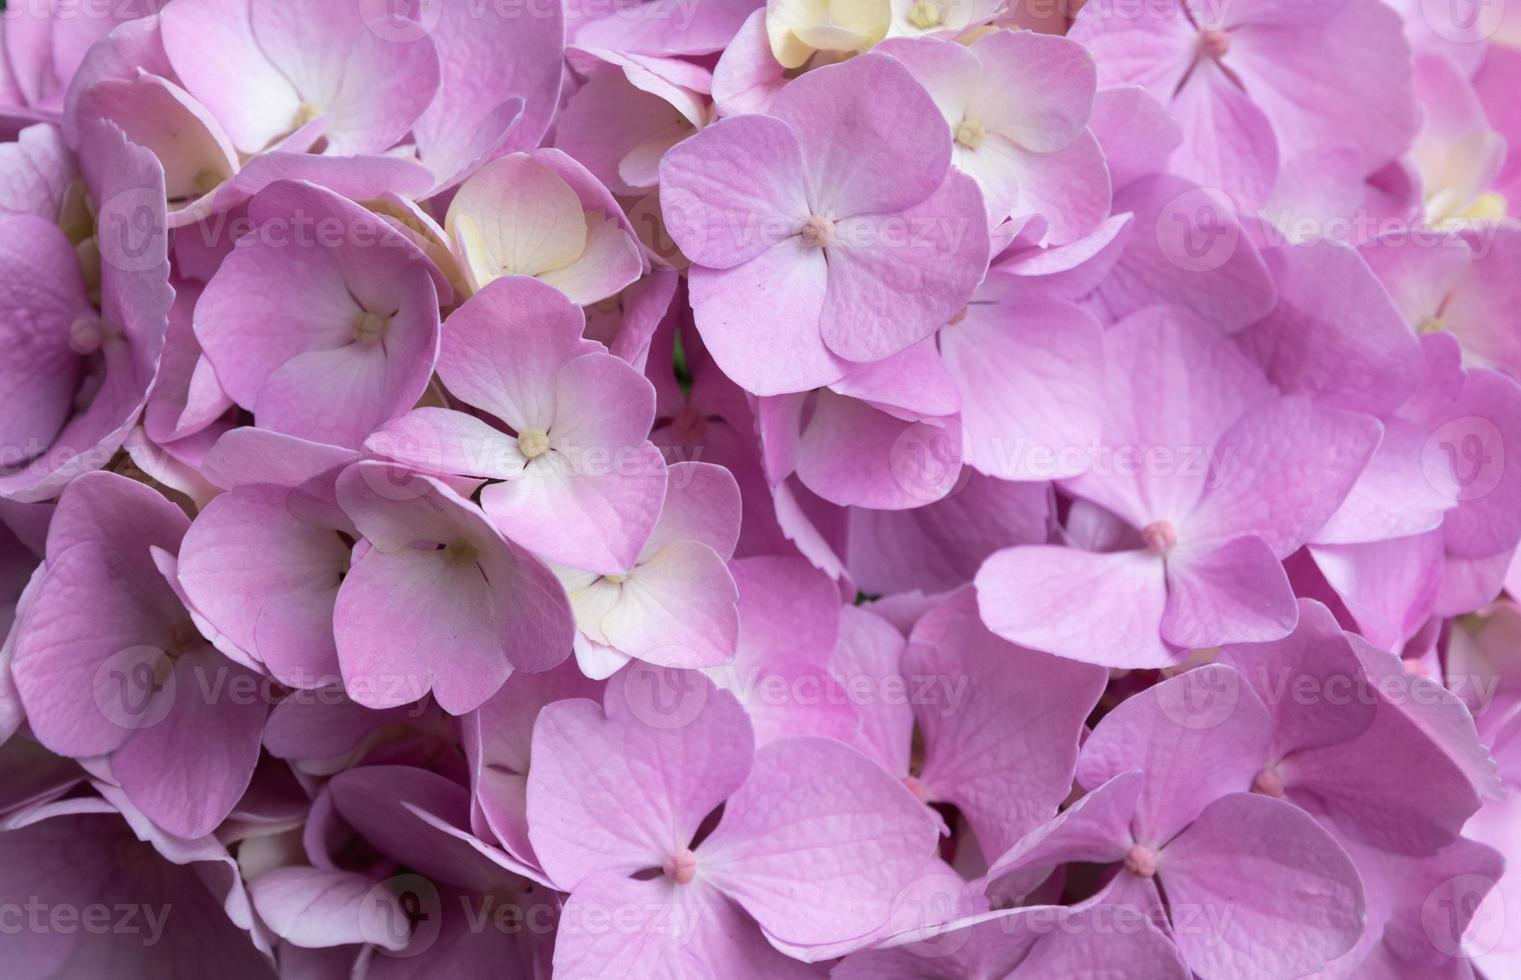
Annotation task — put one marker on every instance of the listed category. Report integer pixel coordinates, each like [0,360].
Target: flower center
[370,327]
[1141,861]
[615,579]
[207,180]
[1214,42]
[1488,206]
[925,14]
[1434,324]
[460,552]
[1160,537]
[817,231]
[86,334]
[1269,782]
[970,134]
[917,788]
[305,113]
[688,426]
[533,443]
[681,867]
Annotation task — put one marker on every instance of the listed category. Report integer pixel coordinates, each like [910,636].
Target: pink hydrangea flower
[495,606]
[1257,83]
[1205,479]
[131,678]
[620,837]
[358,324]
[870,250]
[578,481]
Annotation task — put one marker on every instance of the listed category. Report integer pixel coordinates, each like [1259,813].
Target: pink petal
[187,770]
[503,348]
[895,278]
[778,349]
[1335,333]
[1366,103]
[1295,897]
[484,63]
[1096,828]
[317,908]
[676,609]
[624,790]
[1230,592]
[941,545]
[1001,730]
[817,842]
[445,442]
[44,294]
[1195,737]
[495,605]
[702,503]
[1228,141]
[497,737]
[1098,608]
[1030,373]
[853,454]
[592,499]
[733,190]
[689,930]
[1283,487]
[1188,250]
[256,570]
[899,148]
[374,87]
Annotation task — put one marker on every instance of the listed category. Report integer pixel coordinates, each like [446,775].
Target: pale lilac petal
[1096,828]
[852,453]
[941,545]
[1195,737]
[733,190]
[187,770]
[1189,250]
[873,141]
[1335,334]
[1099,608]
[623,790]
[817,842]
[895,278]
[318,908]
[1228,141]
[1367,102]
[1305,905]
[777,349]
[486,60]
[1030,372]
[1001,729]
[486,357]
[1231,592]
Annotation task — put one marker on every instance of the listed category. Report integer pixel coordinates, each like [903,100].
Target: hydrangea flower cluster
[722,488]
